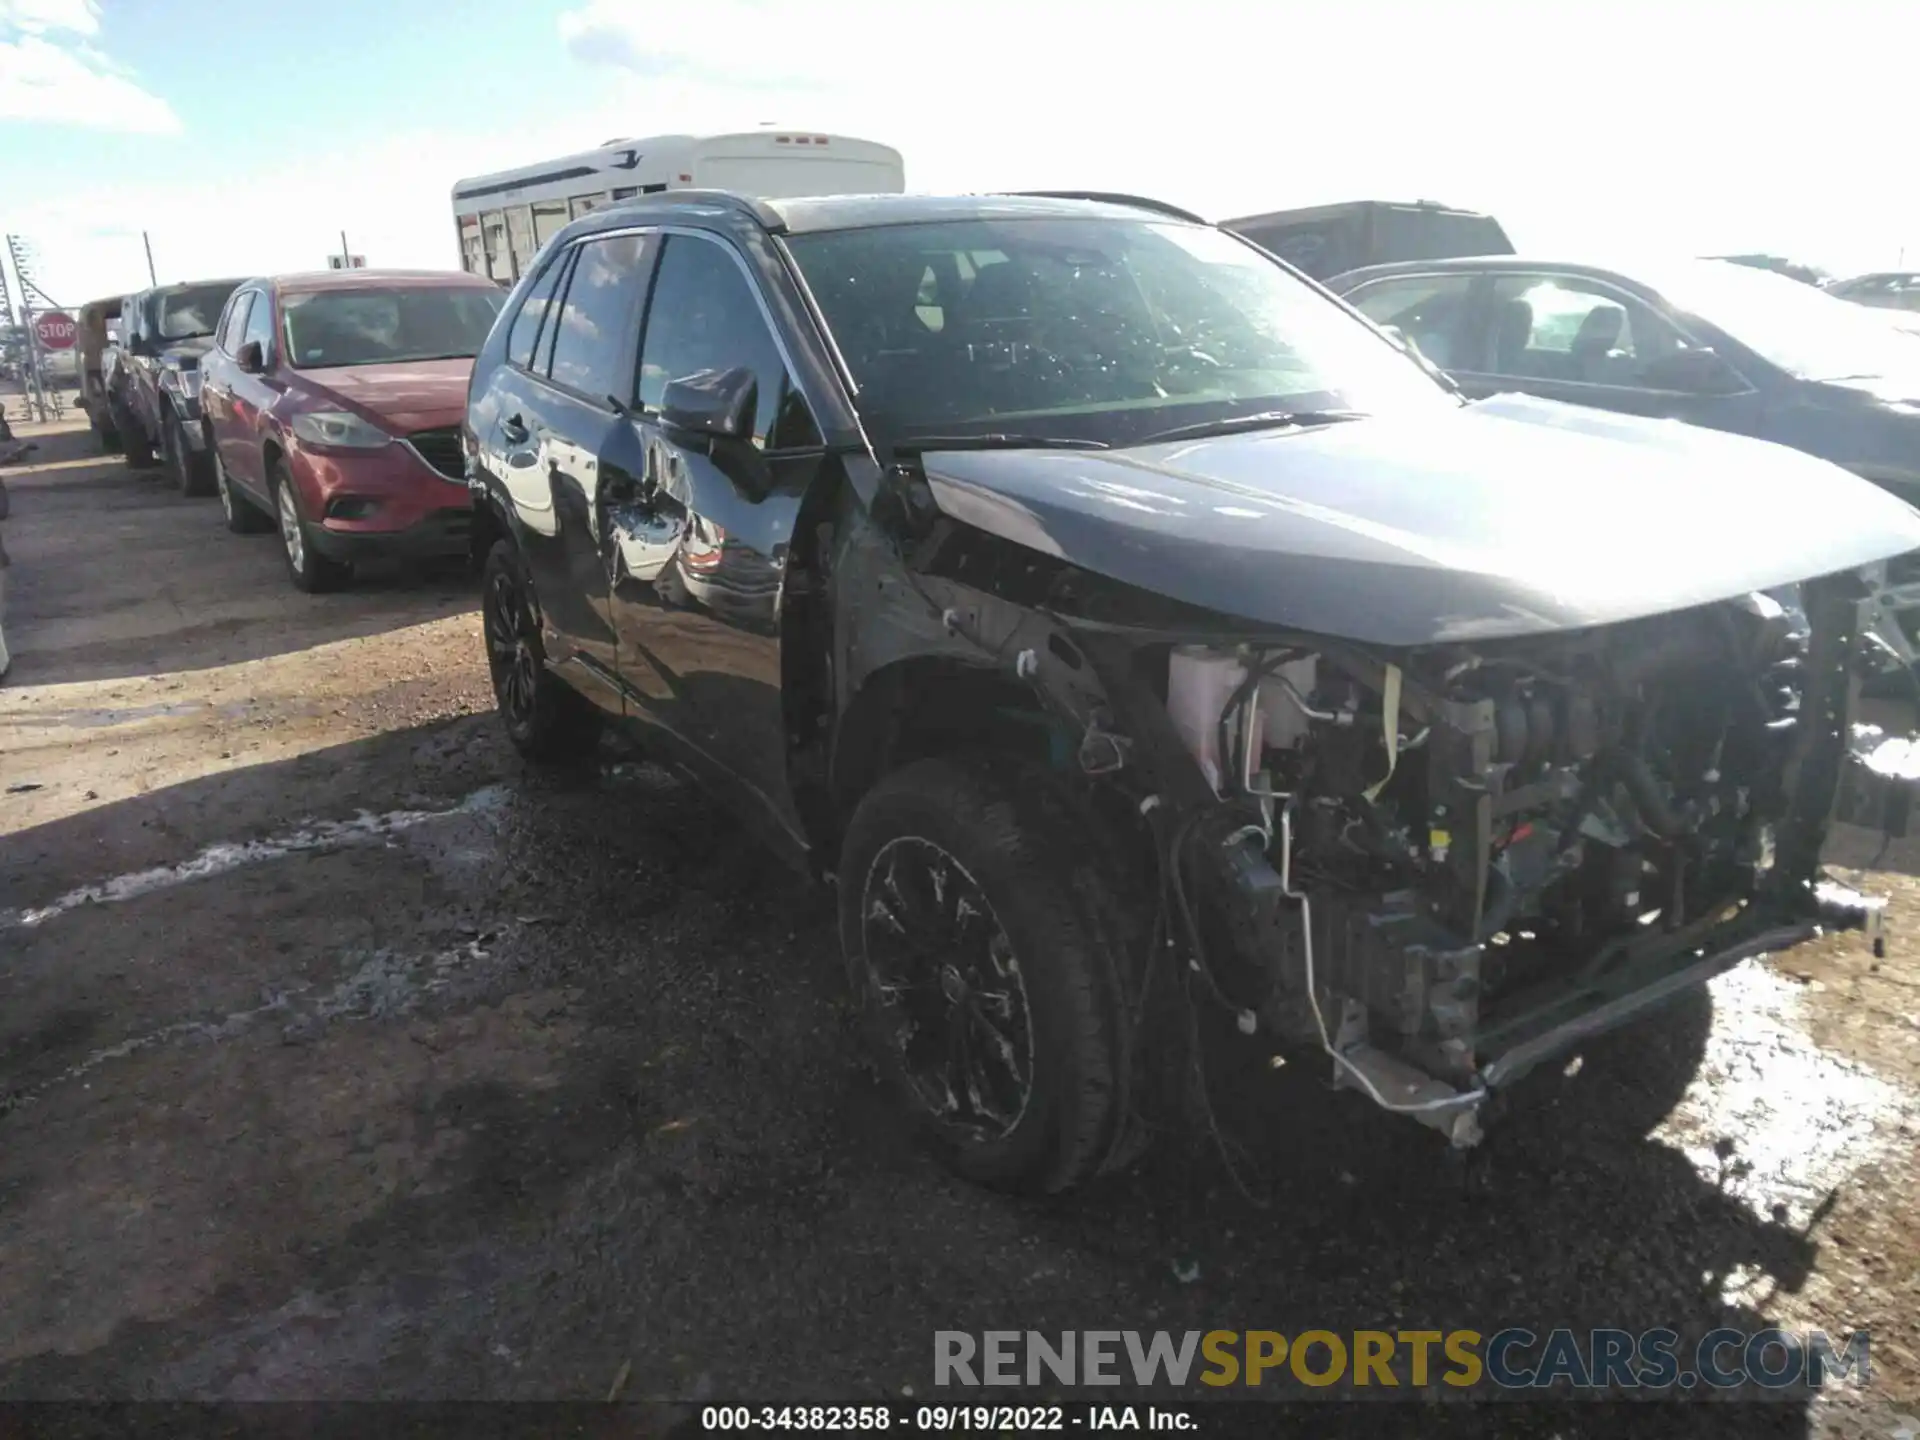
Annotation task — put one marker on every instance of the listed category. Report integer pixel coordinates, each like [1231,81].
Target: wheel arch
[923,706]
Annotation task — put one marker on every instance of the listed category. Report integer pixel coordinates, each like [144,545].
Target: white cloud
[51,73]
[53,84]
[37,17]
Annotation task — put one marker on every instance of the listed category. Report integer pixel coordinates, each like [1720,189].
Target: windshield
[327,328]
[1804,331]
[191,313]
[1088,329]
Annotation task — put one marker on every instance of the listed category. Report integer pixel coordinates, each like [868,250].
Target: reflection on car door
[250,398]
[553,414]
[697,558]
[217,371]
[1573,338]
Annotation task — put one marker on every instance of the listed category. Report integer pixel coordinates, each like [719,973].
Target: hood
[410,395]
[1513,516]
[189,352]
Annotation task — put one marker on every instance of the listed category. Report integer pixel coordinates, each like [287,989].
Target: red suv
[332,407]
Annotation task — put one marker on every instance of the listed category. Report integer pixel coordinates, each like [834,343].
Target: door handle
[514,430]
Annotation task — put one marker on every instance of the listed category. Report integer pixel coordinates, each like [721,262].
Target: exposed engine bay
[1476,853]
[1438,862]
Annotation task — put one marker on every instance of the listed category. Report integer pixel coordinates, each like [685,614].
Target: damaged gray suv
[1121,623]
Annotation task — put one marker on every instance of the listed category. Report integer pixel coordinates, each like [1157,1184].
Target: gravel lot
[342,1057]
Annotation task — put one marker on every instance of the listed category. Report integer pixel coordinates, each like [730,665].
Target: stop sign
[54,330]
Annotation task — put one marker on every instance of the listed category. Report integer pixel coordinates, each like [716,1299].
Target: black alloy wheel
[546,719]
[950,987]
[982,940]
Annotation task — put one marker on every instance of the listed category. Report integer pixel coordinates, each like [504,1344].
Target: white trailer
[505,218]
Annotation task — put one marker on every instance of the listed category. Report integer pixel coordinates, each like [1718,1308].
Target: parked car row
[1127,626]
[325,406]
[333,404]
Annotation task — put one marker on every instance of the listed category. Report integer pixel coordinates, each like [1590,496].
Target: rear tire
[308,568]
[134,448]
[547,720]
[979,967]
[191,472]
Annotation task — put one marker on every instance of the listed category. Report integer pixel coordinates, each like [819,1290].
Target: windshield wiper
[919,444]
[1265,420]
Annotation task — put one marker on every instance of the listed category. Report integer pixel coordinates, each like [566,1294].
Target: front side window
[260,326]
[327,328]
[1089,328]
[593,337]
[193,312]
[703,316]
[236,324]
[1574,330]
[1430,310]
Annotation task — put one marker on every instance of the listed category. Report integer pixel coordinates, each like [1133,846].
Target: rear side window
[236,323]
[593,339]
[526,325]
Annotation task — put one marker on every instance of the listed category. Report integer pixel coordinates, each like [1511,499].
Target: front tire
[309,570]
[986,990]
[190,472]
[547,720]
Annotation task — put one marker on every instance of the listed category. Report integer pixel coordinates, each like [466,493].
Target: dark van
[1327,240]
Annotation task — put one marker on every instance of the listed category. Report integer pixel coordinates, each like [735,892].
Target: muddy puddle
[1773,1117]
[218,859]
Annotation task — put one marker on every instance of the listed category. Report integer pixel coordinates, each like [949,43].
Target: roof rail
[763,213]
[1110,197]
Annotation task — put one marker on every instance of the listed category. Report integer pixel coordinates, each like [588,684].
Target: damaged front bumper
[1509,1039]
[1431,1013]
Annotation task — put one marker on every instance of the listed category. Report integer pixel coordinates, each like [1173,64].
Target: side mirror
[1692,372]
[718,407]
[714,404]
[250,358]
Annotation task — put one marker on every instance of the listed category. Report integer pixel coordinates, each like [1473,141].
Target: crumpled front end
[1447,865]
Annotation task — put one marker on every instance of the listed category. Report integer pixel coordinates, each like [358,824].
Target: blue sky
[245,137]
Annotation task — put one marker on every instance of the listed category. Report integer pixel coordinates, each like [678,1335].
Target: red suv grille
[441,449]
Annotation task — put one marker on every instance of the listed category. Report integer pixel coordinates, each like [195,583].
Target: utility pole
[346,255]
[152,279]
